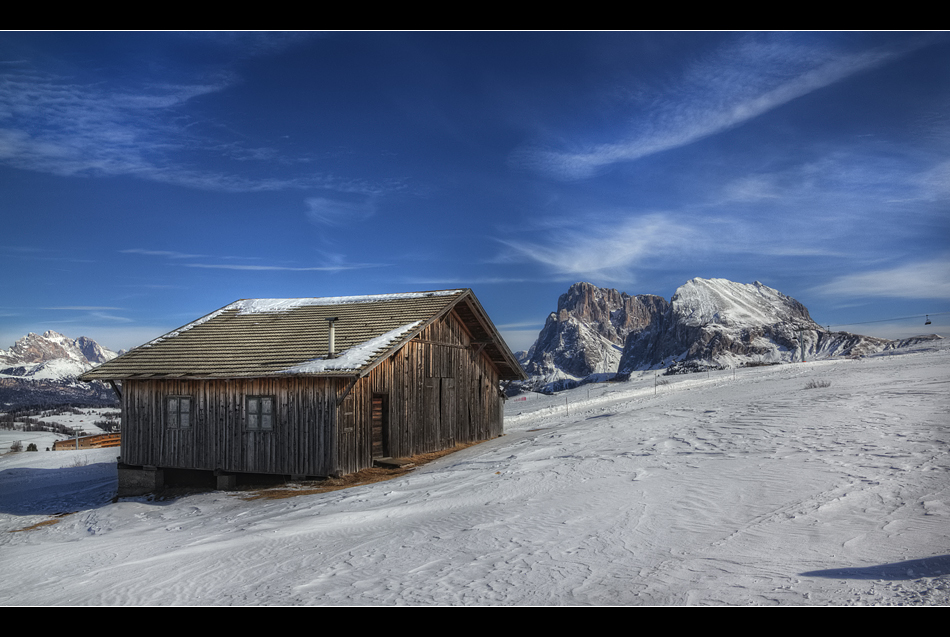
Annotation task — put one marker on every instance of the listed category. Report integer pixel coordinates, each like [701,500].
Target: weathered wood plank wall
[218,437]
[440,393]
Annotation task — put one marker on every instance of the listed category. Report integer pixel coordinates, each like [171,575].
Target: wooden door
[379,424]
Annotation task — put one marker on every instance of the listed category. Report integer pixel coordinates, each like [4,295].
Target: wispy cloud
[59,125]
[467,282]
[753,188]
[736,84]
[332,262]
[606,251]
[110,317]
[265,268]
[30,253]
[171,254]
[611,248]
[918,280]
[88,308]
[247,44]
[936,181]
[822,204]
[333,212]
[536,325]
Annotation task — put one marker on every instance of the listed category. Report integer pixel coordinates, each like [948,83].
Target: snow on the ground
[42,440]
[717,490]
[83,422]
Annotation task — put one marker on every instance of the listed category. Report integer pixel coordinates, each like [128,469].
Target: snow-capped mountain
[715,322]
[52,356]
[43,369]
[708,322]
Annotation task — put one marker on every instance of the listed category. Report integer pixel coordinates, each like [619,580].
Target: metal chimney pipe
[331,349]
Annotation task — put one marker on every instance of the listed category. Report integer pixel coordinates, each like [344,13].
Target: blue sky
[147,179]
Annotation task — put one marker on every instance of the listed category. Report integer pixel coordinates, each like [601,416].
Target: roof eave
[482,316]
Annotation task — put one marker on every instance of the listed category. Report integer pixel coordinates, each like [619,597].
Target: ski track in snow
[750,491]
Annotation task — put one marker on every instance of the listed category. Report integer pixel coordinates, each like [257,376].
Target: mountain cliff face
[587,333]
[43,369]
[707,323]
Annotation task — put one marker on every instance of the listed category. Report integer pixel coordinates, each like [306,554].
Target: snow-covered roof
[355,357]
[254,338]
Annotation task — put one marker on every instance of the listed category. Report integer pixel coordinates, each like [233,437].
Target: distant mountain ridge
[707,323]
[42,369]
[52,356]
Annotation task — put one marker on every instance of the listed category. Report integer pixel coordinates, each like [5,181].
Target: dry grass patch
[366,476]
[32,527]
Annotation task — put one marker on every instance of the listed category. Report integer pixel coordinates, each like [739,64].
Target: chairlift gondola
[927,322]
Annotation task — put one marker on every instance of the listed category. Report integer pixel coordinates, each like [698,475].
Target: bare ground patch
[366,476]
[38,525]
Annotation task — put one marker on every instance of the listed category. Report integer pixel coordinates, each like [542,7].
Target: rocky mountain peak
[587,332]
[33,353]
[94,352]
[593,305]
[33,348]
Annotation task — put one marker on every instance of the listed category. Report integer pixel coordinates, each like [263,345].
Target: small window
[178,412]
[260,413]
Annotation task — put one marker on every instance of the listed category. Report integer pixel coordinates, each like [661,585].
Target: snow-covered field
[83,421]
[718,490]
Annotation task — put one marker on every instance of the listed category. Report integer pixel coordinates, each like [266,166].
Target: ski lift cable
[901,318]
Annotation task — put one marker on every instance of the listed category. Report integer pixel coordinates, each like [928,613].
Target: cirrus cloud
[724,90]
[918,280]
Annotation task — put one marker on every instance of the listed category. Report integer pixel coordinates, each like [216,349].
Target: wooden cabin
[309,387]
[96,441]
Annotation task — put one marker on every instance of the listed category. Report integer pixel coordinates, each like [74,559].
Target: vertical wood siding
[439,394]
[218,437]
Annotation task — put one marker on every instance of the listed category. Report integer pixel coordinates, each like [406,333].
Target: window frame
[255,419]
[173,414]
